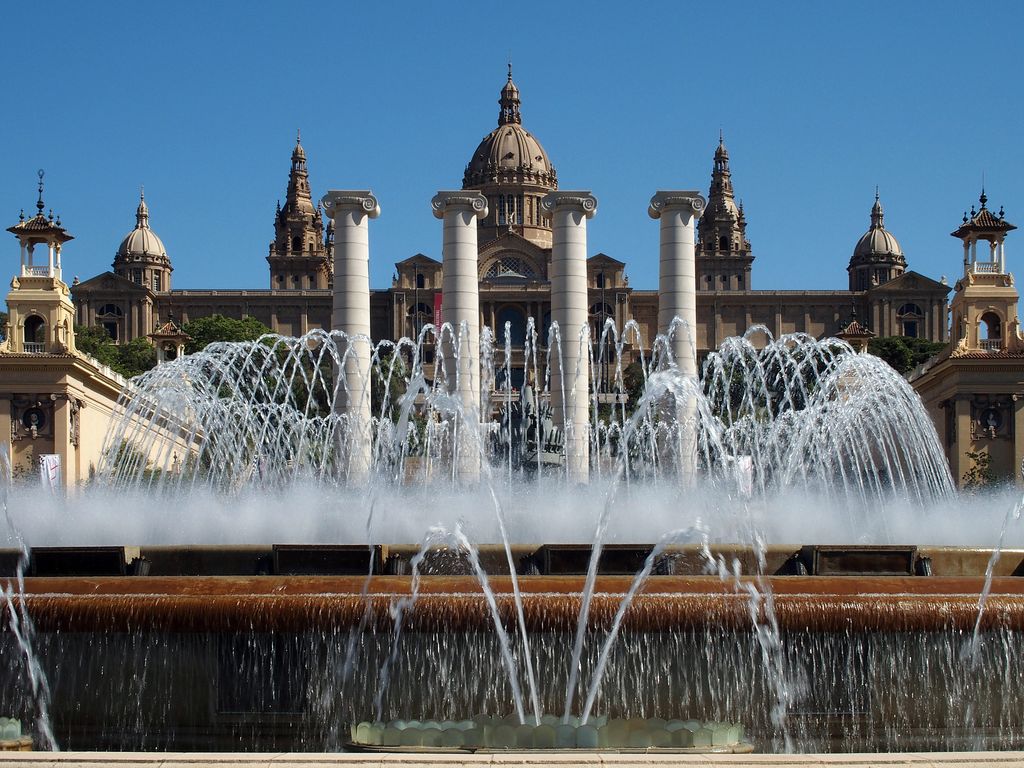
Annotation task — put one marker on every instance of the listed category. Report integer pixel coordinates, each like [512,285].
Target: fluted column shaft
[460,306]
[677,298]
[677,272]
[570,372]
[351,212]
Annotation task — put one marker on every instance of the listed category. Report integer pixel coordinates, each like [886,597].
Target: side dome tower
[877,257]
[141,257]
[511,168]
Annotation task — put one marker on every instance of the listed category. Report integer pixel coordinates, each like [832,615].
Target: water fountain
[298,543]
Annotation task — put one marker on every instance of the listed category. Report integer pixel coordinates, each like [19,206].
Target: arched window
[991,327]
[418,315]
[109,316]
[35,334]
[509,268]
[421,281]
[297,243]
[599,314]
[516,320]
[723,243]
[599,281]
[909,317]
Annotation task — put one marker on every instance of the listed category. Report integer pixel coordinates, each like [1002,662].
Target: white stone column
[570,376]
[677,298]
[460,306]
[677,274]
[351,210]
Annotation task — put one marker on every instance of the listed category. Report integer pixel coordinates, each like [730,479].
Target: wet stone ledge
[517,759]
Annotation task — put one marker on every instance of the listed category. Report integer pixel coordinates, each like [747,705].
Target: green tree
[95,341]
[131,359]
[387,376]
[3,321]
[894,350]
[902,353]
[206,330]
[135,357]
[980,474]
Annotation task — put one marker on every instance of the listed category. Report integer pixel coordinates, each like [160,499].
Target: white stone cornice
[340,199]
[460,198]
[691,200]
[579,200]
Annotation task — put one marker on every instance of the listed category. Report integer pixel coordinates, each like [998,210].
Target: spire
[877,215]
[39,203]
[298,195]
[298,154]
[984,198]
[142,212]
[721,154]
[509,102]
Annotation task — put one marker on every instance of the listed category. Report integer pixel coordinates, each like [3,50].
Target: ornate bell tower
[298,256]
[42,316]
[984,307]
[724,260]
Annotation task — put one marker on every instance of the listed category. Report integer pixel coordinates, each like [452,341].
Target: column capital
[582,201]
[339,199]
[459,198]
[691,200]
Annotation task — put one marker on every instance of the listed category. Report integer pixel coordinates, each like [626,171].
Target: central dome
[141,241]
[877,257]
[509,153]
[877,242]
[513,171]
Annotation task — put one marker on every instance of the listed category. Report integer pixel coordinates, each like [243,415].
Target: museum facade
[512,169]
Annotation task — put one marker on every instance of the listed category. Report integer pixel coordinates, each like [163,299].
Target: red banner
[437,311]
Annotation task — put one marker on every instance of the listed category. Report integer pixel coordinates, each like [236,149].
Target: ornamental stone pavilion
[513,171]
[974,390]
[54,401]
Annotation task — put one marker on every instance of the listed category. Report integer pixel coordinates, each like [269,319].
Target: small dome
[141,241]
[877,241]
[298,153]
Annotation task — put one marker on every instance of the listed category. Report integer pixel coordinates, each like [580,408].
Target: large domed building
[513,170]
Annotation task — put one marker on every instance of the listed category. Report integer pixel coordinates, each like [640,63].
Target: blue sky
[819,102]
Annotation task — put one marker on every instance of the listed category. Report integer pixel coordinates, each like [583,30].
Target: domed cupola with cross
[298,256]
[513,171]
[141,257]
[724,259]
[877,257]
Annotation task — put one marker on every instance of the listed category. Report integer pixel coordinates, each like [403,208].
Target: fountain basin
[230,662]
[279,603]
